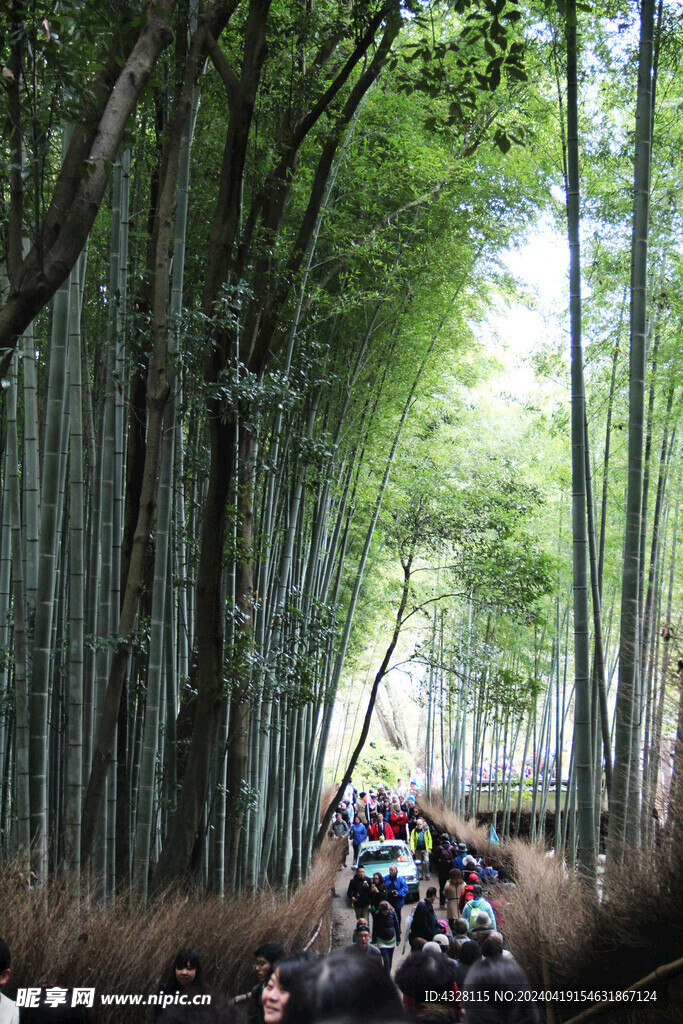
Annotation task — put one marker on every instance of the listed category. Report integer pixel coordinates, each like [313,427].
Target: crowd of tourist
[456,964]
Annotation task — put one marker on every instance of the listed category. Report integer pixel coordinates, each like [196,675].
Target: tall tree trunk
[74,765]
[598,683]
[626,724]
[39,697]
[582,707]
[382,671]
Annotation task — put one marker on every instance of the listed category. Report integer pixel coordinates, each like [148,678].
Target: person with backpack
[467,893]
[444,863]
[476,906]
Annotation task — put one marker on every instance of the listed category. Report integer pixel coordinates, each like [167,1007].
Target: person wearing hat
[477,906]
[482,927]
[362,946]
[350,797]
[442,940]
[9,1012]
[459,861]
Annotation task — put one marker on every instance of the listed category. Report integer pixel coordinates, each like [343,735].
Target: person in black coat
[359,892]
[425,924]
[444,863]
[386,932]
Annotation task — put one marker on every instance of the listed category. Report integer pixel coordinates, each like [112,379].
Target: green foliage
[381,764]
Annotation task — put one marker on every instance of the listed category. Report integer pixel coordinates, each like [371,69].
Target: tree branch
[45,269]
[432,600]
[224,69]
[383,669]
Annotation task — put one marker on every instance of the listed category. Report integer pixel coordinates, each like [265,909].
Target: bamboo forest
[339,439]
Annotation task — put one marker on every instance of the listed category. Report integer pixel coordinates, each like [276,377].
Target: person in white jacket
[9,1011]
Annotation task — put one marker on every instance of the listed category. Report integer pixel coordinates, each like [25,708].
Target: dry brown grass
[326,798]
[546,913]
[443,819]
[566,939]
[57,938]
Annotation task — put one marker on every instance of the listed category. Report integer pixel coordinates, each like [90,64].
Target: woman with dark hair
[398,819]
[385,932]
[422,974]
[488,983]
[452,891]
[276,991]
[184,979]
[469,953]
[343,986]
[378,891]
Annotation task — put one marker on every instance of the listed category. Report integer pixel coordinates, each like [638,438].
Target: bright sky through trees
[515,328]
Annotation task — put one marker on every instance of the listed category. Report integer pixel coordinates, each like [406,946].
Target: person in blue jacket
[397,890]
[477,905]
[359,834]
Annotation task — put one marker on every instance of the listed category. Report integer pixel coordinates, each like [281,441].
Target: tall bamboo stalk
[626,725]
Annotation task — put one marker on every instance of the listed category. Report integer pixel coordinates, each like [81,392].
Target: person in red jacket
[468,892]
[398,819]
[379,829]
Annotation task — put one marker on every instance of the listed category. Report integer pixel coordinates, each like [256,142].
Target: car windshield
[384,854]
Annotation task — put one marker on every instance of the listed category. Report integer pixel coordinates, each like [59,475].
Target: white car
[382,854]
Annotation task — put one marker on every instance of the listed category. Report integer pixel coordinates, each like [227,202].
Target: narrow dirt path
[344,917]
